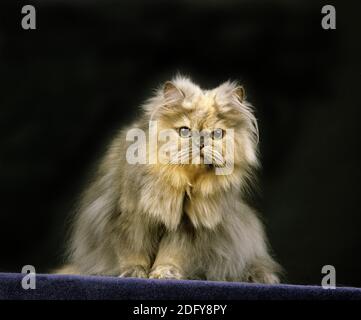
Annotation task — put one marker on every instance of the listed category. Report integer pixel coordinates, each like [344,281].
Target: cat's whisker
[218,158]
[180,156]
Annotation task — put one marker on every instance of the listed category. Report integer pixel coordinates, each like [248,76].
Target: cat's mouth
[199,158]
[208,162]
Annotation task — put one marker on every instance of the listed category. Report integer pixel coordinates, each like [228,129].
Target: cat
[177,219]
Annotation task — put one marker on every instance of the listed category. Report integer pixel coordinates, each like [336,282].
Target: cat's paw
[263,270]
[134,272]
[166,272]
[263,277]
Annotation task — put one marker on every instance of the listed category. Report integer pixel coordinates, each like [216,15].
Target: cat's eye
[184,132]
[217,134]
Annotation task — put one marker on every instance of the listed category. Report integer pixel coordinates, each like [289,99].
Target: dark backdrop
[66,87]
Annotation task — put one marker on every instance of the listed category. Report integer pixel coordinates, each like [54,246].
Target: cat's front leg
[136,247]
[175,257]
[180,252]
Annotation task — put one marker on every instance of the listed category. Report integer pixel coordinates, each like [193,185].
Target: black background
[66,87]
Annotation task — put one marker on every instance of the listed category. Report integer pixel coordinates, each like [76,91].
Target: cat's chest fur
[193,194]
[202,210]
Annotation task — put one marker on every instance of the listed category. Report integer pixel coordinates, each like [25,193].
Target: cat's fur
[178,221]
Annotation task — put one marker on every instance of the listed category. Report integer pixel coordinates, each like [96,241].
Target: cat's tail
[66,269]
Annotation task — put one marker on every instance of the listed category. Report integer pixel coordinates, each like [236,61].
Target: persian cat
[172,215]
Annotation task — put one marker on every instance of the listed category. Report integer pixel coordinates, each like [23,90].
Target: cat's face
[206,129]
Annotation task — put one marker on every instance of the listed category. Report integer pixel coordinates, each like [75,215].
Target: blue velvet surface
[96,287]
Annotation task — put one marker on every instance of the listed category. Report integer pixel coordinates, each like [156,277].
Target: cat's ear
[229,91]
[239,93]
[172,93]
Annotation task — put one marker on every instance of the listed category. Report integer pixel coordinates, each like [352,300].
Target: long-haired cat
[170,218]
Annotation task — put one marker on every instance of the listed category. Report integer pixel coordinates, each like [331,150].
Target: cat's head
[204,129]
